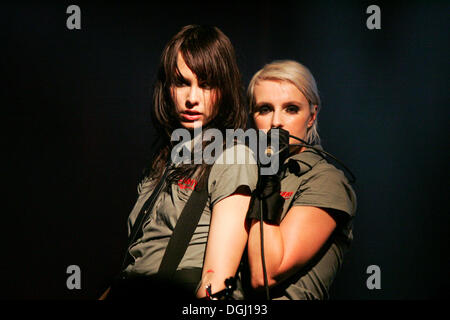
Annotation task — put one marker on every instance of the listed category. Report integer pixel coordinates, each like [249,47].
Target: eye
[292,108]
[204,85]
[181,82]
[264,109]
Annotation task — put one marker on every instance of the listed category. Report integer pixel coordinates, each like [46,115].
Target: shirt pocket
[183,189]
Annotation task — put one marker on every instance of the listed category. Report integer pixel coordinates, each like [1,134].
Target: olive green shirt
[224,178]
[321,185]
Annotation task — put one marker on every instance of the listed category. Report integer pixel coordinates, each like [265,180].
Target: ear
[313,117]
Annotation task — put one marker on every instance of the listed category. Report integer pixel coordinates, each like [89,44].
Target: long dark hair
[208,52]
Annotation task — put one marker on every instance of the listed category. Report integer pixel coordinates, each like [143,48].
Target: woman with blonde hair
[307,213]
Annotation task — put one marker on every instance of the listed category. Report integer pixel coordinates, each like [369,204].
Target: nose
[276,120]
[192,98]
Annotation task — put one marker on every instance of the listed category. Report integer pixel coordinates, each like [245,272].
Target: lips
[191,115]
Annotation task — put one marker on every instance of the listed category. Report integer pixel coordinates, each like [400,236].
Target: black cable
[266,282]
[324,154]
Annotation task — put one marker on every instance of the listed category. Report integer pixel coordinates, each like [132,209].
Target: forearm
[226,242]
[288,247]
[273,252]
[223,264]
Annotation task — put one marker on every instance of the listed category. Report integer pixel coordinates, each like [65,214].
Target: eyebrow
[292,102]
[179,77]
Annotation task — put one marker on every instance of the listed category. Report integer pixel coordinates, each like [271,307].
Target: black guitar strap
[184,229]
[143,215]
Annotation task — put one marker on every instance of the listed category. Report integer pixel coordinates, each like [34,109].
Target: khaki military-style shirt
[223,180]
[322,185]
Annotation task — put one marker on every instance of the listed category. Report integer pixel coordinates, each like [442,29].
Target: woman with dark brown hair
[198,87]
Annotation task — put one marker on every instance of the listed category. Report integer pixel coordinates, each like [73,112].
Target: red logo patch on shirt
[286,194]
[186,183]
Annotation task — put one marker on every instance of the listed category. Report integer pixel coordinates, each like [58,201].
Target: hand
[268,199]
[267,196]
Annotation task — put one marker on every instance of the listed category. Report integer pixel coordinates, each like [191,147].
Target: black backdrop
[76,130]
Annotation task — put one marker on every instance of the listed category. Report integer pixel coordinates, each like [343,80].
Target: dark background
[76,130]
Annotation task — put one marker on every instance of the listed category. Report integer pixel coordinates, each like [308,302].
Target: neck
[296,149]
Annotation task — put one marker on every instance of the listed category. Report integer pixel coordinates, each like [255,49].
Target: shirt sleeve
[236,168]
[328,188]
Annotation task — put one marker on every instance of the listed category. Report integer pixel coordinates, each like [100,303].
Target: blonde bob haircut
[298,75]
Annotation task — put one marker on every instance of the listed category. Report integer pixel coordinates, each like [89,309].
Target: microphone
[271,150]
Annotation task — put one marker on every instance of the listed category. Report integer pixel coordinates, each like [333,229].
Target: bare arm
[288,246]
[226,241]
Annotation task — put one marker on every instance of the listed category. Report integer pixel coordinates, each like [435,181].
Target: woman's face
[194,100]
[279,103]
